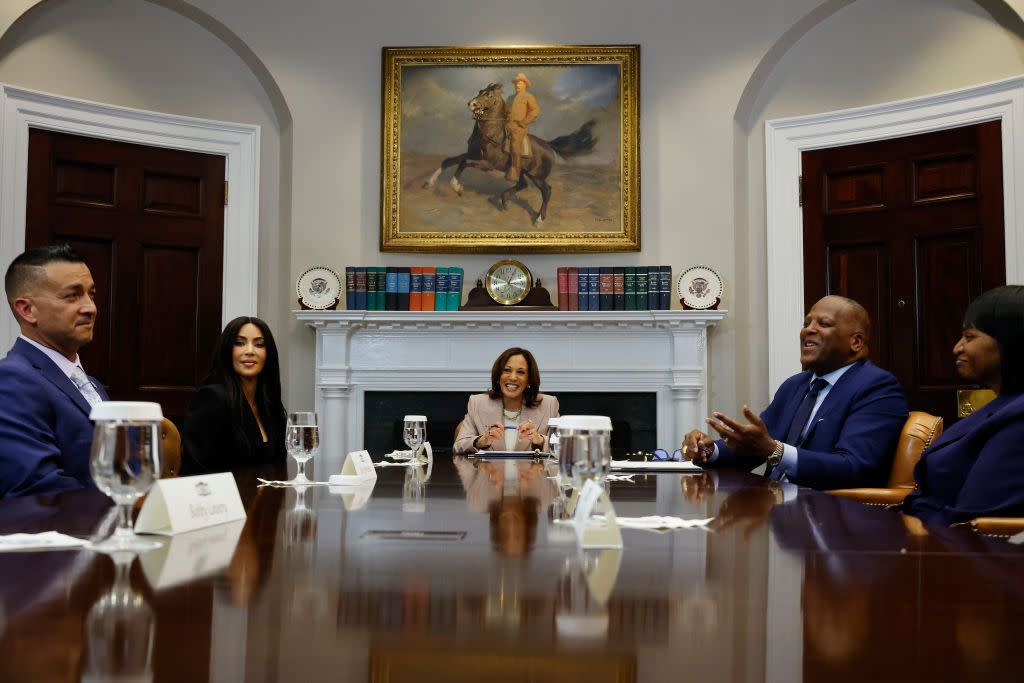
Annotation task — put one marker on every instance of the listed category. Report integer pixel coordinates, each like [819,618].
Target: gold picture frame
[584,146]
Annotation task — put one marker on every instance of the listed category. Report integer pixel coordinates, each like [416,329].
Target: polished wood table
[467,576]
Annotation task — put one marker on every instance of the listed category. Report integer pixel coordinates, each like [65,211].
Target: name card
[187,503]
[589,532]
[358,468]
[191,555]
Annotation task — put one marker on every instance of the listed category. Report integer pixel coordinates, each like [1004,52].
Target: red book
[563,288]
[416,288]
[574,288]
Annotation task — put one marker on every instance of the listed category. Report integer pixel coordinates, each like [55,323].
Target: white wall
[702,170]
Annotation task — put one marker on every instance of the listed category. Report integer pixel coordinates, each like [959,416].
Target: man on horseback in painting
[522,111]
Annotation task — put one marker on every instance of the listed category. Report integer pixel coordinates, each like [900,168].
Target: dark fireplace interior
[633,414]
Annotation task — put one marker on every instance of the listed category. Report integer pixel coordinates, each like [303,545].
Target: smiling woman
[513,415]
[975,468]
[237,418]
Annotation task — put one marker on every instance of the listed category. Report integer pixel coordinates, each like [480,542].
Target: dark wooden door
[150,223]
[913,229]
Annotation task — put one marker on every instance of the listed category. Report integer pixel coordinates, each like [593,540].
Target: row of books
[418,288]
[614,288]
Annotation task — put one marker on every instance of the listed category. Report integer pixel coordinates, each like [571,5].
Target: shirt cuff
[788,462]
[714,454]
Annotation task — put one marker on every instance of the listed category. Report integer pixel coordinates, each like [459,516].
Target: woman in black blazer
[237,418]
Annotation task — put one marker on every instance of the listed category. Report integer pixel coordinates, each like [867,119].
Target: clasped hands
[750,439]
[496,433]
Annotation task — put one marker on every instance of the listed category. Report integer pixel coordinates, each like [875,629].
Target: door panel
[913,229]
[149,222]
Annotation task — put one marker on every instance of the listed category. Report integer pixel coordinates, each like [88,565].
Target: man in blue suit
[835,425]
[45,395]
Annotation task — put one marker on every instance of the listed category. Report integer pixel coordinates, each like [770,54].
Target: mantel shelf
[342,319]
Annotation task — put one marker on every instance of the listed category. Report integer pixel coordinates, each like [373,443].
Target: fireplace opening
[633,415]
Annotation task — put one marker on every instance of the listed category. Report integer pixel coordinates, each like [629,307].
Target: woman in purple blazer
[513,415]
[976,468]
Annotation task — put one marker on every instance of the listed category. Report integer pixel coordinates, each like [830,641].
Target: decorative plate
[319,288]
[699,287]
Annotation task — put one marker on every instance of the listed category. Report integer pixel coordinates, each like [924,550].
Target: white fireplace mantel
[664,352]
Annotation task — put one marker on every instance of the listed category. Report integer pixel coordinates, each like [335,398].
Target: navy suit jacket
[854,433]
[975,469]
[45,432]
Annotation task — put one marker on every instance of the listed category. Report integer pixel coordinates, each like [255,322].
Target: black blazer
[210,440]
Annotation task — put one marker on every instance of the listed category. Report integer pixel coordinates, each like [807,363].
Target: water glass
[302,440]
[124,463]
[414,432]
[584,443]
[553,439]
[119,631]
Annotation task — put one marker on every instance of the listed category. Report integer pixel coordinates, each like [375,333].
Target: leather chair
[1000,527]
[170,440]
[919,431]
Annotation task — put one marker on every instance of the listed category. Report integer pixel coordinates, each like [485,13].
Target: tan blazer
[484,411]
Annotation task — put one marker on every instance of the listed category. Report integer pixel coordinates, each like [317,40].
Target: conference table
[470,571]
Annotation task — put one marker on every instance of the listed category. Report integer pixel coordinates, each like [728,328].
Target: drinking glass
[584,445]
[302,439]
[414,432]
[124,463]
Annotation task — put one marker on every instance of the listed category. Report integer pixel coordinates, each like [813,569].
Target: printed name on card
[187,503]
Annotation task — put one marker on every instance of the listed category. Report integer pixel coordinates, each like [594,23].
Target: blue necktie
[796,427]
[803,413]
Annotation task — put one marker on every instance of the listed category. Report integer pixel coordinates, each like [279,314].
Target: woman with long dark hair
[513,415]
[237,418]
[976,468]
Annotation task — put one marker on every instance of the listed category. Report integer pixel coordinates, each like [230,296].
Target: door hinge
[799,180]
[226,193]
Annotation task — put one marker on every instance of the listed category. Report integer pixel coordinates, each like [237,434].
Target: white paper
[47,540]
[657,465]
[657,523]
[605,532]
[190,555]
[1018,539]
[358,468]
[184,504]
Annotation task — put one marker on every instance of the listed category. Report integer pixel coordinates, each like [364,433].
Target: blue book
[653,287]
[404,286]
[360,273]
[454,288]
[441,290]
[593,288]
[391,289]
[582,287]
[350,288]
[665,289]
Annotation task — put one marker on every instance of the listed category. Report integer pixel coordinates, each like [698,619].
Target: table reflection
[476,581]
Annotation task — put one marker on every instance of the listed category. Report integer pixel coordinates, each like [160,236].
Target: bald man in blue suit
[835,425]
[45,395]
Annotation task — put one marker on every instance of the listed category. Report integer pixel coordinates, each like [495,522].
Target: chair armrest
[892,496]
[998,526]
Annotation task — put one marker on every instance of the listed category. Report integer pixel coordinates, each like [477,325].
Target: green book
[378,293]
[641,288]
[441,289]
[630,287]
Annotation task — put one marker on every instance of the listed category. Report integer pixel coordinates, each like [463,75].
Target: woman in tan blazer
[513,415]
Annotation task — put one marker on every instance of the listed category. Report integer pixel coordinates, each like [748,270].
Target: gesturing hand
[698,447]
[751,439]
[493,433]
[528,432]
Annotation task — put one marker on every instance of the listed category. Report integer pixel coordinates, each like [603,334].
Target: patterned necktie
[796,427]
[81,381]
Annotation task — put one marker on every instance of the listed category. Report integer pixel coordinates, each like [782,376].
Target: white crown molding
[786,139]
[22,109]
